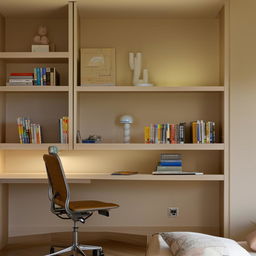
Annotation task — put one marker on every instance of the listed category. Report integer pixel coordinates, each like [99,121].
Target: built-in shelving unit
[190,73]
[42,104]
[187,88]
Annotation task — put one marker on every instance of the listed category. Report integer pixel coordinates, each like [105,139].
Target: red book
[21,74]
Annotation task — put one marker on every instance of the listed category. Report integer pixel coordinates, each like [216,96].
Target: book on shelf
[177,173]
[203,132]
[168,168]
[46,76]
[28,132]
[63,129]
[165,133]
[169,163]
[42,76]
[20,79]
[124,172]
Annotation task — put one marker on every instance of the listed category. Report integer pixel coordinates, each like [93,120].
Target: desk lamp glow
[126,120]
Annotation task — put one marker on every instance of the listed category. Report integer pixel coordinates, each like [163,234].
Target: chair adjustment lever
[104,212]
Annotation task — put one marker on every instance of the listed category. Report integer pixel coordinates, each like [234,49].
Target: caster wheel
[97,253]
[52,250]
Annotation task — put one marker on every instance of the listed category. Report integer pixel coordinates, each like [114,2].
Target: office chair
[78,211]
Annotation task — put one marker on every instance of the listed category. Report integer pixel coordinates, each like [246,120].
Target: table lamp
[126,120]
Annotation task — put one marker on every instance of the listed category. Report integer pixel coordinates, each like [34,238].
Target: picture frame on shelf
[98,67]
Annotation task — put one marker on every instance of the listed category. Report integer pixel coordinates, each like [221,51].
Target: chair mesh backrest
[56,178]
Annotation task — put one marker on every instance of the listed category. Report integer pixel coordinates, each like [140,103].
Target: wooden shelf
[88,177]
[149,89]
[34,55]
[34,88]
[142,146]
[43,146]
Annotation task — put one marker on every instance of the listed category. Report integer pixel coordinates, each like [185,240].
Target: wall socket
[172,211]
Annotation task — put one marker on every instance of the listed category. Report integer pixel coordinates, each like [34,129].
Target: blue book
[38,76]
[44,76]
[170,163]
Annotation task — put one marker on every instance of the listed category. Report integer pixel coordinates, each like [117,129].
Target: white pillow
[197,244]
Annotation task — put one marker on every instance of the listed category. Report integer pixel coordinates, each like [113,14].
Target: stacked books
[165,133]
[63,129]
[20,79]
[46,76]
[169,164]
[203,131]
[28,132]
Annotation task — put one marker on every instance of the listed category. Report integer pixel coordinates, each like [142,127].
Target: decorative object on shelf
[98,66]
[135,60]
[92,139]
[78,137]
[41,41]
[126,120]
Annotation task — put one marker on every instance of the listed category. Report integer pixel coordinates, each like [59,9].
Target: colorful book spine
[63,129]
[203,132]
[28,132]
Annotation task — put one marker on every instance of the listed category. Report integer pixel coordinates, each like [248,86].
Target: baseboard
[132,235]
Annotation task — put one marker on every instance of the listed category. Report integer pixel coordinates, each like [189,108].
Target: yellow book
[147,134]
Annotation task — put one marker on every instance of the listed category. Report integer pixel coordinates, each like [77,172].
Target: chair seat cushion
[79,206]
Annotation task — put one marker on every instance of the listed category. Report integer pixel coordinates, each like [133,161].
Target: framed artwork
[98,66]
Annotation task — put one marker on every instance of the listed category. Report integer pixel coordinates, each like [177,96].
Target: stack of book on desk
[171,164]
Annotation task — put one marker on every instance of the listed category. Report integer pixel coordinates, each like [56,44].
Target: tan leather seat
[88,205]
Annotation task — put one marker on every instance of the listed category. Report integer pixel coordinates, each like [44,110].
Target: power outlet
[173,212]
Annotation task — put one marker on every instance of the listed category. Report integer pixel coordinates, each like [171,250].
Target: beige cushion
[158,247]
[251,240]
[190,243]
[245,245]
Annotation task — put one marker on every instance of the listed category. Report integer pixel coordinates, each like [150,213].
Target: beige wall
[242,117]
[142,204]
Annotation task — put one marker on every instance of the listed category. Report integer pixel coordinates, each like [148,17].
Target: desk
[8,178]
[138,189]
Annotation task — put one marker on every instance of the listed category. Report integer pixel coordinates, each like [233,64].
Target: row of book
[31,132]
[28,132]
[63,129]
[203,132]
[169,164]
[42,76]
[165,133]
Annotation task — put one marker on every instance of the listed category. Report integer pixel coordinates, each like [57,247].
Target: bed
[158,247]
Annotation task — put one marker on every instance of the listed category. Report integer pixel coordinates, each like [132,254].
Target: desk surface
[88,177]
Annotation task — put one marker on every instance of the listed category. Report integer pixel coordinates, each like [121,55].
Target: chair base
[78,249]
